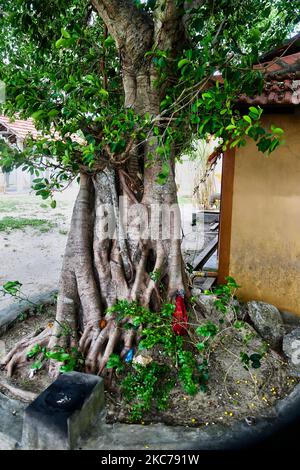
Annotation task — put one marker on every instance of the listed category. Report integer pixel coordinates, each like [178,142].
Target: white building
[15,133]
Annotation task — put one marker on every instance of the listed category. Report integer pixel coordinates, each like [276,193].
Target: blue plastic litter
[129,355]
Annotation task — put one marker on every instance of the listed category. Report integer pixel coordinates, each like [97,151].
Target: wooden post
[226,214]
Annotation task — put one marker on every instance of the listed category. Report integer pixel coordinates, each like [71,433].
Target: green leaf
[114,361]
[34,351]
[104,93]
[65,33]
[62,42]
[183,62]
[12,287]
[277,130]
[38,115]
[53,113]
[59,356]
[37,365]
[109,41]
[247,119]
[53,204]
[255,112]
[163,175]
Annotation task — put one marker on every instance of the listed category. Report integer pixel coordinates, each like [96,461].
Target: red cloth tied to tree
[180,319]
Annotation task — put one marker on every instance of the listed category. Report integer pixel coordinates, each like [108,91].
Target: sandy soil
[33,255]
[20,330]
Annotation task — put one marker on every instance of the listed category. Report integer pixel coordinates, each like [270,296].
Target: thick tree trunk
[100,268]
[106,261]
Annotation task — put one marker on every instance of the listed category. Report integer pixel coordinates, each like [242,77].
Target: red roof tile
[20,128]
[282,80]
[24,128]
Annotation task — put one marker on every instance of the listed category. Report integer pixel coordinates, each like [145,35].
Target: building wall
[188,171]
[265,236]
[15,181]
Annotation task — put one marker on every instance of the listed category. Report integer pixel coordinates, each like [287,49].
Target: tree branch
[169,29]
[130,26]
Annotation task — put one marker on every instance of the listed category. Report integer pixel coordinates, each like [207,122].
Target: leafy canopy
[62,68]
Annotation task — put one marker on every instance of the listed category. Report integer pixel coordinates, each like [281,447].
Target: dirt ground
[233,392]
[33,255]
[26,325]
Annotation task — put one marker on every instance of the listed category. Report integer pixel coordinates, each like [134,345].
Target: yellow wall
[265,238]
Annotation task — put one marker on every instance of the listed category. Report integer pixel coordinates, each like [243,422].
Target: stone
[267,321]
[143,358]
[291,349]
[207,308]
[290,320]
[63,412]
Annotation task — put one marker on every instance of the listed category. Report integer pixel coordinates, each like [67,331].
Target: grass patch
[8,206]
[13,223]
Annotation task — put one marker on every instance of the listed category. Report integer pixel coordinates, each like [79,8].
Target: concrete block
[63,412]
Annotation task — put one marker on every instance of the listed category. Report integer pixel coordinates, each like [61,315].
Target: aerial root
[98,344]
[18,355]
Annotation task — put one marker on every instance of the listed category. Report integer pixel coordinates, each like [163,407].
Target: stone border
[9,315]
[120,436]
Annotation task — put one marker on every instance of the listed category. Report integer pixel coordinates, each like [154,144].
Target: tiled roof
[20,128]
[281,78]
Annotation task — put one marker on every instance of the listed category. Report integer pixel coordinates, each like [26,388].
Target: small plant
[115,362]
[208,329]
[14,289]
[155,275]
[71,360]
[147,386]
[225,294]
[254,360]
[187,372]
[185,359]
